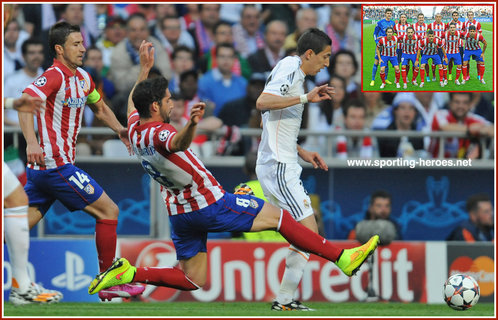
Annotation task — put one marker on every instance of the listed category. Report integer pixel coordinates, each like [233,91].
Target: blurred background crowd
[222,54]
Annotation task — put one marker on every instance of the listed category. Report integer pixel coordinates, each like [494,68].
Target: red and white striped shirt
[387,47]
[186,184]
[420,29]
[410,45]
[472,43]
[438,29]
[459,25]
[453,42]
[453,147]
[400,30]
[473,23]
[65,96]
[429,48]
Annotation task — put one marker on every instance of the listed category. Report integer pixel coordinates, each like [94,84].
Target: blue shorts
[457,59]
[476,53]
[406,58]
[68,184]
[386,60]
[436,59]
[232,213]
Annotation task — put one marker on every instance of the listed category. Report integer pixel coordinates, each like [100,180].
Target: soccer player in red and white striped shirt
[65,89]
[400,30]
[452,44]
[473,22]
[473,48]
[410,47]
[438,27]
[386,51]
[420,30]
[428,48]
[459,26]
[196,202]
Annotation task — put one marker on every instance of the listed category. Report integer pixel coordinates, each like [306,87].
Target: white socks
[17,239]
[294,268]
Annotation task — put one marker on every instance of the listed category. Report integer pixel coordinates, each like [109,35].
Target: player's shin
[458,72]
[305,239]
[295,262]
[441,74]
[105,239]
[383,77]
[481,73]
[422,74]
[374,71]
[415,73]
[165,277]
[397,75]
[403,73]
[465,71]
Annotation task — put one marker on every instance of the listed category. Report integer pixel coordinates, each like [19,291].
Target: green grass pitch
[472,85]
[243,309]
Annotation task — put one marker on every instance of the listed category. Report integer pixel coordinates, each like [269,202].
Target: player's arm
[33,150]
[312,157]
[24,104]
[267,101]
[182,140]
[485,45]
[377,50]
[146,52]
[444,52]
[376,31]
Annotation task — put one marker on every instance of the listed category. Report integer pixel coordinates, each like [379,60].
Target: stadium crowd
[222,55]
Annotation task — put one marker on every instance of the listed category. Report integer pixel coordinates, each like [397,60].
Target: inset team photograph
[427,48]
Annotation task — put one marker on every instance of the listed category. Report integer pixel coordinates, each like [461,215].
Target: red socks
[165,277]
[481,70]
[305,239]
[383,77]
[403,73]
[434,71]
[441,75]
[422,74]
[105,239]
[465,70]
[415,74]
[445,73]
[397,76]
[458,71]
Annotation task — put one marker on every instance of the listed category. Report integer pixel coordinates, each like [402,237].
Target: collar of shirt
[63,68]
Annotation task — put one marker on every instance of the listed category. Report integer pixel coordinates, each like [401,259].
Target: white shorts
[10,181]
[283,188]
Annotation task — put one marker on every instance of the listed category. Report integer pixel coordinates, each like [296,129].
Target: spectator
[342,36]
[346,147]
[459,119]
[172,35]
[375,105]
[344,64]
[281,12]
[114,33]
[125,59]
[203,32]
[183,60]
[404,109]
[379,208]
[221,85]
[480,226]
[223,34]
[305,18]
[94,59]
[482,106]
[176,118]
[247,34]
[266,58]
[163,10]
[191,16]
[12,53]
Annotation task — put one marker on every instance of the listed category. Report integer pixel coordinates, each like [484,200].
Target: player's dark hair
[30,42]
[147,92]
[380,194]
[356,103]
[430,31]
[388,10]
[58,34]
[410,28]
[452,24]
[452,94]
[455,12]
[314,39]
[472,27]
[420,14]
[390,28]
[473,201]
[403,14]
[333,61]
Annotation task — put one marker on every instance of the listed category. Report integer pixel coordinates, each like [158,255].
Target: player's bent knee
[16,199]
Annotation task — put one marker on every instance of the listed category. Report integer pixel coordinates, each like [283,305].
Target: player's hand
[416,63]
[380,60]
[29,104]
[482,55]
[323,92]
[123,136]
[35,154]
[146,52]
[197,112]
[446,60]
[314,158]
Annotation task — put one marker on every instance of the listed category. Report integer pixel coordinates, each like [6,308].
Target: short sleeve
[163,137]
[281,79]
[45,85]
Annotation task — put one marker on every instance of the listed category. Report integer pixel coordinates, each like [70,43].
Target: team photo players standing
[65,89]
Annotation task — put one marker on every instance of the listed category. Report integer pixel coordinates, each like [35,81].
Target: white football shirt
[281,127]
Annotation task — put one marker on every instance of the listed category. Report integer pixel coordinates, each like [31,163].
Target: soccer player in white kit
[282,104]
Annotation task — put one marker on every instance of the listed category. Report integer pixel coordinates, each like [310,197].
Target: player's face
[389,33]
[74,50]
[380,208]
[320,60]
[430,37]
[460,105]
[472,33]
[166,106]
[402,19]
[470,15]
[439,18]
[452,29]
[455,16]
[389,15]
[410,33]
[421,19]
